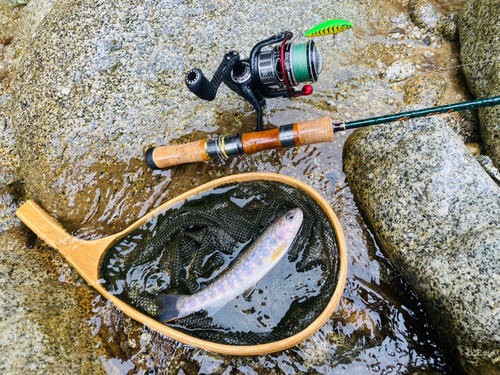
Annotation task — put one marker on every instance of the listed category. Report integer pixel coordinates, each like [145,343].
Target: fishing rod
[291,135]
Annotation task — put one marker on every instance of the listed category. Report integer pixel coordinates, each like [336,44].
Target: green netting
[185,249]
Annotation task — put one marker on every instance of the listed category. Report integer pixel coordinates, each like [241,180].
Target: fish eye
[289,216]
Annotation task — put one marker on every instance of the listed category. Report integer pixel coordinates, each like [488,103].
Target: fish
[328,28]
[241,277]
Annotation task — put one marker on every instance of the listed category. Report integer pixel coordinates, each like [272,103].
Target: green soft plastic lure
[329,28]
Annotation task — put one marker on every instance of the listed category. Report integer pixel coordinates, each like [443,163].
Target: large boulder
[479,27]
[436,214]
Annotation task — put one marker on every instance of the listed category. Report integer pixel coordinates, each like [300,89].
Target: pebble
[424,90]
[399,71]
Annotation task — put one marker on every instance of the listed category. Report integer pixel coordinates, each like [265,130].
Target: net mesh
[185,248]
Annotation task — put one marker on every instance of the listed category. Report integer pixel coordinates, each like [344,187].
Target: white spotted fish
[241,277]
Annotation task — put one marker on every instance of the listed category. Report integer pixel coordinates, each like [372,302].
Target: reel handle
[298,134]
[204,89]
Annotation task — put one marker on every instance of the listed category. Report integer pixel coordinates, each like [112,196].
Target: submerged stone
[399,71]
[43,314]
[423,14]
[9,159]
[424,90]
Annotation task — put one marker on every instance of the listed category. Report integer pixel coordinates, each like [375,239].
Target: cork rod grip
[313,131]
[168,156]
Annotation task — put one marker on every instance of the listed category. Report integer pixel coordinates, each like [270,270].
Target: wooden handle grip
[168,156]
[304,133]
[313,131]
[44,225]
[261,141]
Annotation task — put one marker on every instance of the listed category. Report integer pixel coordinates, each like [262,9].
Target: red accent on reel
[306,90]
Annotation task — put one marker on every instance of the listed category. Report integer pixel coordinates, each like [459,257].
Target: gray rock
[465,124]
[103,81]
[10,196]
[427,91]
[436,214]
[479,27]
[424,90]
[9,159]
[489,167]
[424,15]
[448,26]
[399,71]
[32,15]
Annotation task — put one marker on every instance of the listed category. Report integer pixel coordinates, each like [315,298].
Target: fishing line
[409,13]
[472,63]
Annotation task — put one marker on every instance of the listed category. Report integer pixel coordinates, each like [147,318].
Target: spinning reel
[268,73]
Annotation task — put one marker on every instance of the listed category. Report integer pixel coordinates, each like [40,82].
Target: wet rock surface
[424,90]
[479,27]
[423,14]
[9,159]
[489,167]
[435,212]
[42,315]
[43,318]
[399,71]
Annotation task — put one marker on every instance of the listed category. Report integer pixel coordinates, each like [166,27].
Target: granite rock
[474,148]
[10,196]
[103,81]
[9,159]
[489,167]
[435,213]
[424,90]
[448,26]
[399,71]
[424,15]
[479,27]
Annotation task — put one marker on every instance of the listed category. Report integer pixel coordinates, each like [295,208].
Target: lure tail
[168,308]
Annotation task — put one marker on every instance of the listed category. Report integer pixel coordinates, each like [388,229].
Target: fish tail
[167,307]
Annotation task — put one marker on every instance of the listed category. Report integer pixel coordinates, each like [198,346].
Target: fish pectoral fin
[209,311]
[278,253]
[247,292]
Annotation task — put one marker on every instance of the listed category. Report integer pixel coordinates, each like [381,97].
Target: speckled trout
[242,276]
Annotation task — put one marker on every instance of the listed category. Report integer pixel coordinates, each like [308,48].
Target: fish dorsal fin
[278,253]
